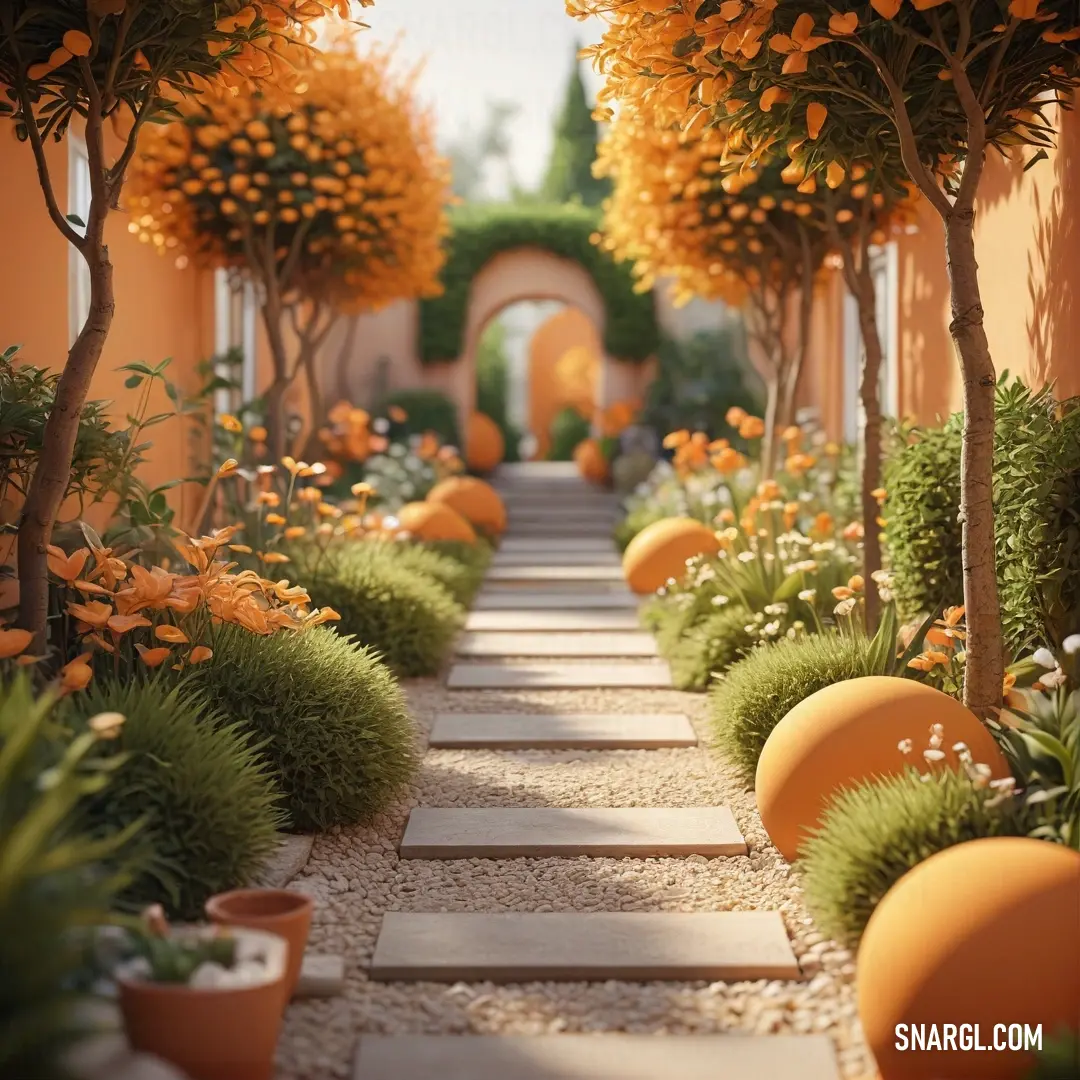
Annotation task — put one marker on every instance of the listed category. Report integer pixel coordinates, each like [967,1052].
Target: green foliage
[428,410]
[461,579]
[569,175]
[1059,1058]
[630,470]
[871,835]
[758,692]
[210,805]
[1037,508]
[481,232]
[567,430]
[708,647]
[637,518]
[174,958]
[52,883]
[326,714]
[399,476]
[409,618]
[493,385]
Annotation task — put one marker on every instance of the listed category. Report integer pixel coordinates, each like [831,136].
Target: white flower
[107,725]
[935,742]
[746,556]
[981,776]
[776,609]
[845,607]
[937,729]
[1071,644]
[904,746]
[1006,784]
[1053,679]
[719,600]
[933,755]
[808,596]
[1044,658]
[381,426]
[771,629]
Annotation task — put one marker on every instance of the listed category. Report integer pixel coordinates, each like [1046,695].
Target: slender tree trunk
[275,393]
[985,665]
[316,405]
[45,494]
[773,393]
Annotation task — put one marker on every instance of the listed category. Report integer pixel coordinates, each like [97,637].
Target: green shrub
[428,410]
[567,430]
[637,519]
[473,561]
[708,647]
[873,834]
[758,692]
[1059,1057]
[406,616]
[458,578]
[211,807]
[328,716]
[481,232]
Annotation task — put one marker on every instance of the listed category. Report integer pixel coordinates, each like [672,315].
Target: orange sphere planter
[986,933]
[432,521]
[659,552]
[591,462]
[485,447]
[476,501]
[849,732]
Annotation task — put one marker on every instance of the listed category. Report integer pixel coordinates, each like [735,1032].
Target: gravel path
[355,876]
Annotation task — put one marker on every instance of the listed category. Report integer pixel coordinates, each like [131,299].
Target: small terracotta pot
[278,911]
[227,1034]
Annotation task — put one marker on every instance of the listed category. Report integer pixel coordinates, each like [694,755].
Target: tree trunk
[45,494]
[275,393]
[984,670]
[773,391]
[316,407]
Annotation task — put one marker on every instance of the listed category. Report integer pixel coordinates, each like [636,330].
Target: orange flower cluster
[335,182]
[695,451]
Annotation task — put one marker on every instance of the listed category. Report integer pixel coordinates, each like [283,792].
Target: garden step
[566,620]
[525,600]
[558,676]
[322,975]
[541,572]
[559,832]
[560,528]
[511,947]
[595,1057]
[626,643]
[290,858]
[556,546]
[559,731]
[581,587]
[565,558]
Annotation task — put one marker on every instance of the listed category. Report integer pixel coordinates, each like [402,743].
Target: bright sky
[477,51]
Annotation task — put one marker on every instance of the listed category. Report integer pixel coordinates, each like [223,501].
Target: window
[235,326]
[884,266]
[78,207]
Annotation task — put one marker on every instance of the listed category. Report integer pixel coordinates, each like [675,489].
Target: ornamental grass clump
[708,648]
[326,714]
[206,796]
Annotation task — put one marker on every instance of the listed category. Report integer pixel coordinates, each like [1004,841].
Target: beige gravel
[356,876]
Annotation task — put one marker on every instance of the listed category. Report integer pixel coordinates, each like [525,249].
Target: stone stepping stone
[321,976]
[548,832]
[559,731]
[566,620]
[558,676]
[541,572]
[627,643]
[603,559]
[546,601]
[557,546]
[510,947]
[595,1057]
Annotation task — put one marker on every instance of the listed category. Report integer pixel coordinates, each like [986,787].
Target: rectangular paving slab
[534,600]
[554,572]
[565,620]
[564,558]
[558,546]
[559,731]
[543,832]
[570,946]
[558,676]
[626,643]
[595,1057]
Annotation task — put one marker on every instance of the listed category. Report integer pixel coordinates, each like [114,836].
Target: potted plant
[205,999]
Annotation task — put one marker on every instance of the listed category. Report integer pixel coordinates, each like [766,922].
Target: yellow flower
[230,423]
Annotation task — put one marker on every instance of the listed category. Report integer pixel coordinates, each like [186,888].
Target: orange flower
[673,440]
[76,674]
[735,416]
[172,634]
[768,491]
[67,567]
[823,525]
[269,557]
[857,583]
[153,657]
[227,467]
[95,613]
[121,624]
[273,519]
[952,616]
[853,531]
[293,532]
[257,434]
[150,589]
[13,642]
[200,654]
[752,427]
[397,414]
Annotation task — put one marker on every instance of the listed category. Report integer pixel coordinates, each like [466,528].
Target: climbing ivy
[480,233]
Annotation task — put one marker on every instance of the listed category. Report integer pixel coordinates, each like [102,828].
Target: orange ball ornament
[985,933]
[433,521]
[660,551]
[476,501]
[850,732]
[591,462]
[485,447]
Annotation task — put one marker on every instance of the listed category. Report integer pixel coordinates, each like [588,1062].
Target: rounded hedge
[211,804]
[758,692]
[708,647]
[326,714]
[871,835]
[458,577]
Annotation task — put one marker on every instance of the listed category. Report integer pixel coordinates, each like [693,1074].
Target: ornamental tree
[329,194]
[124,61]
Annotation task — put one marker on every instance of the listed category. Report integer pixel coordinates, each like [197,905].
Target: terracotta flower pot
[210,1034]
[278,911]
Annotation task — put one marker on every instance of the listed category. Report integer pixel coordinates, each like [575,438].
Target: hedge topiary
[568,429]
[211,805]
[873,834]
[327,714]
[758,692]
[427,410]
[708,647]
[481,232]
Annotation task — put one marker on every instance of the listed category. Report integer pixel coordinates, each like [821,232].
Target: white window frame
[235,314]
[884,265]
[79,196]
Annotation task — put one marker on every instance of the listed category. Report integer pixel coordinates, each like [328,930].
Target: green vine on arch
[480,233]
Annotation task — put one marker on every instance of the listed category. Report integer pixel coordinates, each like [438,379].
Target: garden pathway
[572,875]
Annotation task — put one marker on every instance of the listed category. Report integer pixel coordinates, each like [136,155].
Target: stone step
[541,572]
[567,558]
[508,947]
[523,600]
[559,676]
[627,643]
[579,587]
[565,620]
[595,1057]
[549,832]
[563,545]
[559,731]
[560,530]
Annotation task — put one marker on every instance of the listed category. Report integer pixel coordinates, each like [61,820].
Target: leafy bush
[567,430]
[759,691]
[428,410]
[481,232]
[493,386]
[210,805]
[707,647]
[326,714]
[873,834]
[460,579]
